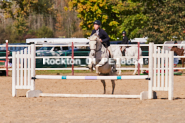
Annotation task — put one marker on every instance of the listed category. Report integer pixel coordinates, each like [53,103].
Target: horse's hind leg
[104,85]
[113,86]
[141,66]
[135,69]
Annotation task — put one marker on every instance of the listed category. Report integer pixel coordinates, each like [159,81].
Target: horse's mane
[93,37]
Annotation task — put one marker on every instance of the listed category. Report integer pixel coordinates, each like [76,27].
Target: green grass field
[55,72]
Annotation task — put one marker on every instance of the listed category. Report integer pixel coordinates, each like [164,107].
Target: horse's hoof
[98,73]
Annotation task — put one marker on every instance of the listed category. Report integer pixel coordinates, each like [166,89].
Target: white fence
[83,68]
[24,69]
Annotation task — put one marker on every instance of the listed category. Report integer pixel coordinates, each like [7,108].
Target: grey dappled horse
[99,59]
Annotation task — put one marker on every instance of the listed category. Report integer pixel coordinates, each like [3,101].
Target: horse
[129,52]
[179,52]
[117,54]
[133,52]
[100,60]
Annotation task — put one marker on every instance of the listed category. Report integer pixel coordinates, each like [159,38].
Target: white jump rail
[90,77]
[23,75]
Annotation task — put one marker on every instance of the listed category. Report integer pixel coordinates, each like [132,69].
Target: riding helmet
[124,32]
[97,22]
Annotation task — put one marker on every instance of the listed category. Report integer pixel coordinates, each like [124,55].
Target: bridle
[96,47]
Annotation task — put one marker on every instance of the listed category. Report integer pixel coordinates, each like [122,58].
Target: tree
[115,15]
[21,10]
[91,10]
[133,18]
[166,20]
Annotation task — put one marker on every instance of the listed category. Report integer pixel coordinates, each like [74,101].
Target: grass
[59,72]
[55,72]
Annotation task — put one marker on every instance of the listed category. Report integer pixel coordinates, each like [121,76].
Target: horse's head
[94,44]
[177,50]
[93,37]
[174,48]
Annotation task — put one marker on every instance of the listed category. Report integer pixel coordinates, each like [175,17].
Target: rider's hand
[101,40]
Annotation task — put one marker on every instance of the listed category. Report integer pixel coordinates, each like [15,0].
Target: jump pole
[141,96]
[151,72]
[36,93]
[72,58]
[6,57]
[92,77]
[138,43]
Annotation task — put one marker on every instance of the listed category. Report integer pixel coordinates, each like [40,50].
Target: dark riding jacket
[103,36]
[125,40]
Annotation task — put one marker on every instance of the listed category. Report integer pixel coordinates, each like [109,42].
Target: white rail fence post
[14,74]
[151,65]
[33,66]
[171,75]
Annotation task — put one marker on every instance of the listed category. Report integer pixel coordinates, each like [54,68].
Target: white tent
[58,40]
[169,47]
[143,40]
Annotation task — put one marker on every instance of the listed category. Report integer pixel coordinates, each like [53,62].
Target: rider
[104,38]
[125,38]
[124,41]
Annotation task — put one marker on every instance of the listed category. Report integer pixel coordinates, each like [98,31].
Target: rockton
[59,61]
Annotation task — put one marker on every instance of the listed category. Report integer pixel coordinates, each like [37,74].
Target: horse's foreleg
[119,66]
[104,85]
[113,86]
[97,69]
[119,71]
[135,69]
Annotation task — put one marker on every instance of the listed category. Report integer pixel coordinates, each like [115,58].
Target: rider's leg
[123,53]
[110,50]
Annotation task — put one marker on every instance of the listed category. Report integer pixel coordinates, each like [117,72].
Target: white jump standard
[23,75]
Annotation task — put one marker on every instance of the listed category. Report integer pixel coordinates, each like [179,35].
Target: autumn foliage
[160,20]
